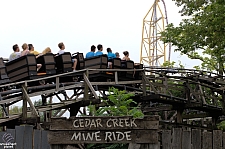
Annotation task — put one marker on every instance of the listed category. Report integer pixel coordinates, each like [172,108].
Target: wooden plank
[37,139]
[119,82]
[207,140]
[217,139]
[57,84]
[186,140]
[149,146]
[24,108]
[120,70]
[71,147]
[196,139]
[44,140]
[55,146]
[104,123]
[122,136]
[12,133]
[34,111]
[53,90]
[90,86]
[116,77]
[134,146]
[203,94]
[179,115]
[200,115]
[154,146]
[166,139]
[20,137]
[143,84]
[11,117]
[86,86]
[177,138]
[2,140]
[63,111]
[147,81]
[58,105]
[223,140]
[11,100]
[157,109]
[28,137]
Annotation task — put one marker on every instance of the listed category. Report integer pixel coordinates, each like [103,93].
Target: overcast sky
[79,24]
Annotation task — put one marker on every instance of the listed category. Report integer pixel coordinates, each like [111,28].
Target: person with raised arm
[126,56]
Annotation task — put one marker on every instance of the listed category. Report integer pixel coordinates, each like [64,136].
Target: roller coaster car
[48,64]
[97,62]
[138,75]
[64,64]
[3,75]
[23,68]
[129,75]
[80,60]
[116,63]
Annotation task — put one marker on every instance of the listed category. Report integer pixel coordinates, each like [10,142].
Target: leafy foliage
[168,64]
[107,146]
[172,64]
[15,110]
[201,36]
[221,125]
[191,6]
[118,104]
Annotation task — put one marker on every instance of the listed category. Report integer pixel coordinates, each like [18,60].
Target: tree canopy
[118,103]
[201,34]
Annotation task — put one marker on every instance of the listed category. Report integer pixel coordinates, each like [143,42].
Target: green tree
[191,6]
[200,36]
[15,110]
[119,103]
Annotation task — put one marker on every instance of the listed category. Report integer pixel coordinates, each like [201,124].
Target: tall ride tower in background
[153,51]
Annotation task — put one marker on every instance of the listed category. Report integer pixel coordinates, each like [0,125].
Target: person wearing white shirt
[16,54]
[62,50]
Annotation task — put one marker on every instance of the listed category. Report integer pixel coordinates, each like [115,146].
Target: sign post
[123,129]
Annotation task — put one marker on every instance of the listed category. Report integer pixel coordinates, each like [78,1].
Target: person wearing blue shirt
[110,54]
[91,53]
[110,57]
[99,52]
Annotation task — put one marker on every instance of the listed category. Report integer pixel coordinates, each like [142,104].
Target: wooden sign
[103,130]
